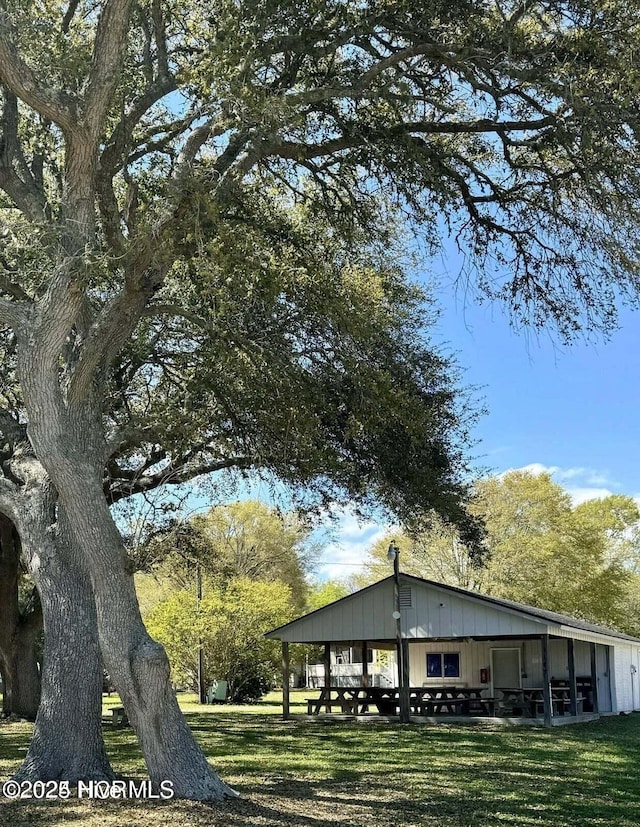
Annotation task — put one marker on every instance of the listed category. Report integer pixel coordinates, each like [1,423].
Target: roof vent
[406,597]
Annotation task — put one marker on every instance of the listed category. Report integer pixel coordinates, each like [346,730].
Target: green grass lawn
[314,774]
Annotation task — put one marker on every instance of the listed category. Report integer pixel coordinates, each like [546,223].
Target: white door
[603,664]
[506,671]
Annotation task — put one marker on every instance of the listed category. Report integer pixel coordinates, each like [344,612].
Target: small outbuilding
[457,653]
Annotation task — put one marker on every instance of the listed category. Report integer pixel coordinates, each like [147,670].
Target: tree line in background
[251,562]
[540,549]
[257,566]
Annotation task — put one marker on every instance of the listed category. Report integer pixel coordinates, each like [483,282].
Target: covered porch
[538,679]
[455,654]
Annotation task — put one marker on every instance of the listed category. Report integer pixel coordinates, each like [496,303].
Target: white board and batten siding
[625,667]
[365,615]
[441,613]
[475,655]
[426,612]
[623,664]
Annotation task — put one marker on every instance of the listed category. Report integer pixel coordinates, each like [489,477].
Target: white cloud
[535,468]
[571,473]
[346,554]
[581,495]
[588,475]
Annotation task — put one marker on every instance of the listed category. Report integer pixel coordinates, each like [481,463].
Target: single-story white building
[459,652]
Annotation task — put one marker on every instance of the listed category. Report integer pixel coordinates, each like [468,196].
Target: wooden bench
[560,706]
[119,716]
[434,706]
[456,706]
[510,708]
[348,707]
[422,706]
[452,706]
[387,706]
[483,705]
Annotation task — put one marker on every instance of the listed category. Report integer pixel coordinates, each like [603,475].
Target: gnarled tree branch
[108,53]
[53,104]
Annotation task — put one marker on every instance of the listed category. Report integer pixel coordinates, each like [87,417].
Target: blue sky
[571,410]
[570,407]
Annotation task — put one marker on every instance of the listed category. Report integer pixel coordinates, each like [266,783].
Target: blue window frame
[443,665]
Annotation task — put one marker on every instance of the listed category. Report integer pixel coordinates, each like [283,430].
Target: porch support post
[573,695]
[594,678]
[402,660]
[286,682]
[546,681]
[405,707]
[365,663]
[327,665]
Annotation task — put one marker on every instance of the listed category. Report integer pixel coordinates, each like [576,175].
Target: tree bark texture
[27,688]
[137,664]
[67,741]
[19,634]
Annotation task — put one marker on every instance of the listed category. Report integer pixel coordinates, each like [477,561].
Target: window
[434,665]
[451,665]
[443,665]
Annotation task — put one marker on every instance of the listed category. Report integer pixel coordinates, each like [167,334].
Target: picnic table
[425,700]
[520,700]
[354,700]
[119,716]
[531,700]
[561,700]
[457,700]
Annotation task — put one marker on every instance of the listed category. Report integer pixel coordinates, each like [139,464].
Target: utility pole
[401,648]
[202,689]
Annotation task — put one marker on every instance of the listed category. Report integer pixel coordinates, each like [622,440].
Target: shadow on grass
[312,773]
[582,775]
[13,747]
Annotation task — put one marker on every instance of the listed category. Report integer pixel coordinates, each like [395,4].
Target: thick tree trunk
[19,634]
[137,664]
[67,740]
[25,674]
[9,610]
[69,442]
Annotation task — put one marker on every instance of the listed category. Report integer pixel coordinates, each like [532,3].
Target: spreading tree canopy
[198,268]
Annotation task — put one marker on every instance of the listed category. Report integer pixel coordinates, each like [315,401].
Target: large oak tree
[195,276]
